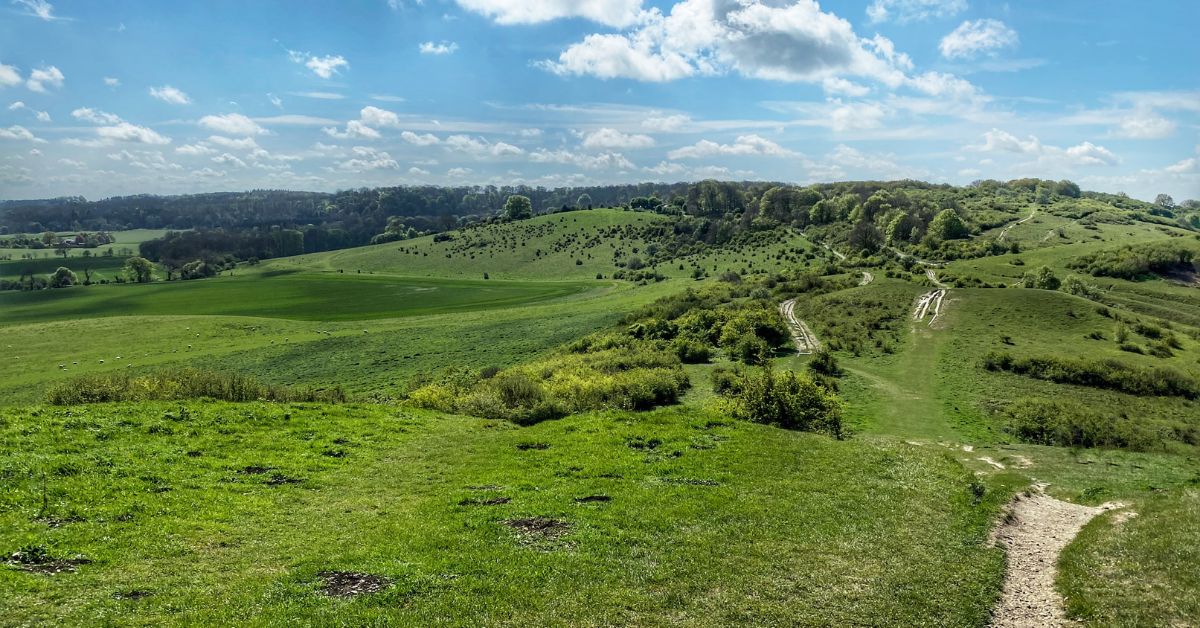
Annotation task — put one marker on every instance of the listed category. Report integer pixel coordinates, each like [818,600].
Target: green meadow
[680,515]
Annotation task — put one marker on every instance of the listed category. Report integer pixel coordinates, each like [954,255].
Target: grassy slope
[794,528]
[130,239]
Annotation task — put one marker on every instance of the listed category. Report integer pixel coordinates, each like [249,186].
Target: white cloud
[245,143]
[355,129]
[459,173]
[665,168]
[530,133]
[612,138]
[87,114]
[427,139]
[857,115]
[18,132]
[1191,164]
[232,124]
[72,163]
[171,95]
[145,159]
[666,124]
[39,9]
[757,38]
[609,12]
[974,37]
[112,82]
[225,159]
[16,105]
[42,116]
[275,100]
[1083,154]
[126,132]
[418,172]
[9,76]
[376,117]
[743,145]
[602,161]
[387,98]
[835,86]
[195,149]
[913,10]
[40,78]
[295,120]
[443,48]
[480,147]
[1145,125]
[324,67]
[366,158]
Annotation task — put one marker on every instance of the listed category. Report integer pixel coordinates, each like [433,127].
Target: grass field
[722,522]
[718,521]
[129,239]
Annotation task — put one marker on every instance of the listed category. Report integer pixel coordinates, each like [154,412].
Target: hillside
[573,396]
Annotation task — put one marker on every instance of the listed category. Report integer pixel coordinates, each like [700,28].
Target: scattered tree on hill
[584,201]
[63,277]
[947,225]
[518,207]
[1042,279]
[139,270]
[1164,201]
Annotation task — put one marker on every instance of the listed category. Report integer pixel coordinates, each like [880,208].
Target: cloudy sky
[100,98]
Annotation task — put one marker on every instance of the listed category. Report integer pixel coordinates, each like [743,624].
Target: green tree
[139,270]
[865,237]
[1042,279]
[518,207]
[584,201]
[63,277]
[947,225]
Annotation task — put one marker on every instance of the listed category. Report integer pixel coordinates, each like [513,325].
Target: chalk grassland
[673,514]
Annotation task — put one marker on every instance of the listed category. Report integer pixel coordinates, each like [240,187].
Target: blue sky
[102,98]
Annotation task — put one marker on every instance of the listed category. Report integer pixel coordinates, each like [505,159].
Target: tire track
[802,336]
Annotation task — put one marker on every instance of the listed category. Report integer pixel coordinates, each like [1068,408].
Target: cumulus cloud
[9,76]
[667,124]
[975,37]
[480,147]
[1083,154]
[355,129]
[426,139]
[602,161]
[609,12]
[127,132]
[42,78]
[18,132]
[443,48]
[112,82]
[376,117]
[87,114]
[743,145]
[764,39]
[170,95]
[1191,164]
[913,10]
[226,159]
[612,138]
[324,67]
[232,124]
[1145,125]
[197,149]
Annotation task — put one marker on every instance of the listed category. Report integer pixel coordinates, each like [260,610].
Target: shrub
[1132,262]
[181,384]
[824,363]
[691,352]
[1108,373]
[1042,279]
[789,401]
[1069,424]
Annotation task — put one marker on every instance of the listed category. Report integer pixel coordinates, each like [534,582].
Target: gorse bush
[1108,373]
[181,384]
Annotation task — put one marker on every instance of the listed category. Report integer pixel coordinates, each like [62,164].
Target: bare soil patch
[593,499]
[351,583]
[38,560]
[534,529]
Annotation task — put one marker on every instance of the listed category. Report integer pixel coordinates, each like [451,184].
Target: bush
[824,363]
[1109,374]
[181,384]
[1138,262]
[691,352]
[789,401]
[1068,424]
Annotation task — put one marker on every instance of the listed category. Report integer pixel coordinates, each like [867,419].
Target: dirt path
[867,279]
[1033,535]
[806,341]
[931,302]
[1003,234]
